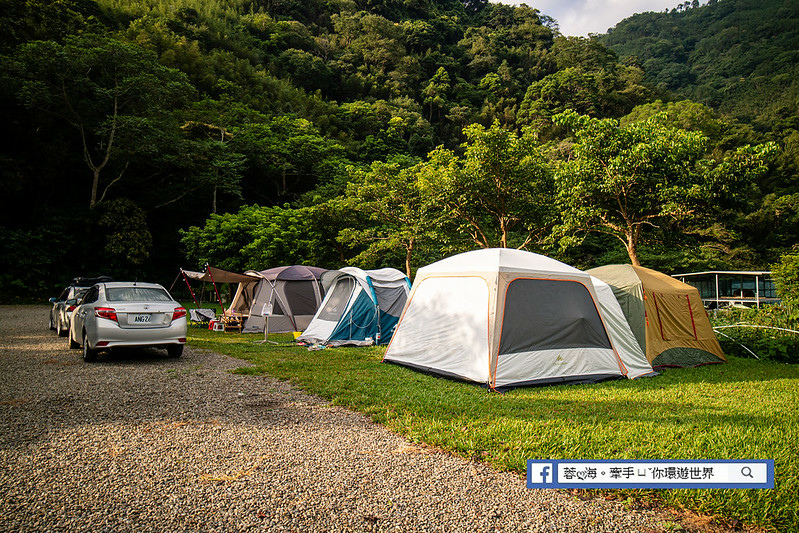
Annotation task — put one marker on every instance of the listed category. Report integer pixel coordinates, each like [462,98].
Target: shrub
[786,276]
[743,332]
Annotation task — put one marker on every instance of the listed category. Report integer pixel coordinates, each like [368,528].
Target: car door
[58,305]
[79,316]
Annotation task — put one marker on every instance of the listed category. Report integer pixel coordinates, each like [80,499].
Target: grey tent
[288,295]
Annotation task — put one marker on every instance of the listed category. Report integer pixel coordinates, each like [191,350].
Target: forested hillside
[740,57]
[145,135]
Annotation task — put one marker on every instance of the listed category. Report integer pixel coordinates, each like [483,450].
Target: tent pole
[267,312]
[193,297]
[221,305]
[176,280]
[757,290]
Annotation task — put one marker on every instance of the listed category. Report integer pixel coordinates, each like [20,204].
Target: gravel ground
[140,442]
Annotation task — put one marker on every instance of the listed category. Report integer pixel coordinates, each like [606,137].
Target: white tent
[506,318]
[361,307]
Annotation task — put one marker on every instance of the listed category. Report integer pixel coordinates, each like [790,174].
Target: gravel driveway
[140,442]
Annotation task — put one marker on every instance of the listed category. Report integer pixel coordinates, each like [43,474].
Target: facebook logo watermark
[653,474]
[541,473]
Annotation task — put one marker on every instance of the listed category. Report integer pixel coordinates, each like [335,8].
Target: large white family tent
[361,307]
[505,318]
[288,295]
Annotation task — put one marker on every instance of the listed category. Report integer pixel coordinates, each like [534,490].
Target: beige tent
[506,318]
[666,316]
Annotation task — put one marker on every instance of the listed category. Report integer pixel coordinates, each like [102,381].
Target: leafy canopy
[498,193]
[626,181]
[401,219]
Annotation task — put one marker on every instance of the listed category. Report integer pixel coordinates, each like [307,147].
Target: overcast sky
[581,17]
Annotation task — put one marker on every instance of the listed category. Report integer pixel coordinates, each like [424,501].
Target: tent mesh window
[302,297]
[266,295]
[337,301]
[549,315]
[391,300]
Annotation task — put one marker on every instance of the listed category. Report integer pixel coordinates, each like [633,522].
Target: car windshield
[137,294]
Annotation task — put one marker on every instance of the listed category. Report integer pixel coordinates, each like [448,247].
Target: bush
[786,276]
[743,332]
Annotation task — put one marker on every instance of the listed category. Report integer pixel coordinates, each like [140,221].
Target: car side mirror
[53,300]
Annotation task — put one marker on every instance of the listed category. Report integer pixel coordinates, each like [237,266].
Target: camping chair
[201,317]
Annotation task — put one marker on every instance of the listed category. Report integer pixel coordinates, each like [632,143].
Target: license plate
[141,319]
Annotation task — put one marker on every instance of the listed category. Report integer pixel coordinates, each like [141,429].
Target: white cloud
[581,17]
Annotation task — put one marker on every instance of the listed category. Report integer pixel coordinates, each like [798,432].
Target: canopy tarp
[218,275]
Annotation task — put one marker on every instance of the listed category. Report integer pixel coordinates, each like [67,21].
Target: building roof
[726,272]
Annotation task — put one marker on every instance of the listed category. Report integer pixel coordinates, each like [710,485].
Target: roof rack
[88,282]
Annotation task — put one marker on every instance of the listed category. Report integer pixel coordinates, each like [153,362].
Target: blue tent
[361,307]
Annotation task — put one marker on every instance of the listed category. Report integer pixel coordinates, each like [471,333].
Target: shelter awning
[218,275]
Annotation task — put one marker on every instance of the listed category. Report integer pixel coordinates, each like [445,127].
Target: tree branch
[105,191]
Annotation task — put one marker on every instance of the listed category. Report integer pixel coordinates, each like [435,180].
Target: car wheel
[89,355]
[174,350]
[52,326]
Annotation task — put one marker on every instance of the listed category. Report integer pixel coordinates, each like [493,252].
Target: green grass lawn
[745,409]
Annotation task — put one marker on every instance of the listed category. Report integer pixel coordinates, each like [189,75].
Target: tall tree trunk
[213,202]
[87,156]
[632,245]
[408,255]
[95,185]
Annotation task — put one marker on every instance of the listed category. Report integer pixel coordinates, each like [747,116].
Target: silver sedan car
[127,314]
[63,307]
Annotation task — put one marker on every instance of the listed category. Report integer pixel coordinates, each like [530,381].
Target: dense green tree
[39,20]
[786,275]
[113,94]
[512,34]
[498,194]
[128,242]
[257,238]
[289,153]
[435,92]
[723,133]
[389,194]
[626,181]
[588,80]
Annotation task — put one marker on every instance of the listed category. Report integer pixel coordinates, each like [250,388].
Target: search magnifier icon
[747,472]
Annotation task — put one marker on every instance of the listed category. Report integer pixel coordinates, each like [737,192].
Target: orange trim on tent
[660,322]
[691,311]
[622,368]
